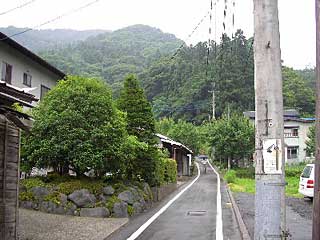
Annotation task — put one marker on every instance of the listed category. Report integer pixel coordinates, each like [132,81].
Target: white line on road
[155,216]
[219,228]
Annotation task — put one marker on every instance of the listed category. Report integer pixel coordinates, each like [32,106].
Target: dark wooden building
[10,123]
[178,152]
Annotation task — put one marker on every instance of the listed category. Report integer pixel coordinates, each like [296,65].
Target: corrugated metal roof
[166,139]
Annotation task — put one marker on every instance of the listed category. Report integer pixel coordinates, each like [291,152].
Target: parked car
[306,184]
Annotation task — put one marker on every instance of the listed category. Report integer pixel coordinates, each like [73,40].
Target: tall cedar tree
[140,123]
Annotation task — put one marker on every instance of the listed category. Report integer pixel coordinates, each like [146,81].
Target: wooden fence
[9,179]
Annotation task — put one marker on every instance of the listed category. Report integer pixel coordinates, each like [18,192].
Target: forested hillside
[113,55]
[180,86]
[37,40]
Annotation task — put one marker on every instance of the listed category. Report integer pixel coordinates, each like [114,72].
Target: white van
[306,184]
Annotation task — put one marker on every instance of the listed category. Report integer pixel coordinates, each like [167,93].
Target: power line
[193,31]
[17,7]
[52,20]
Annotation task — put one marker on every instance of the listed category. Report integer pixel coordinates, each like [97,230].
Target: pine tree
[140,123]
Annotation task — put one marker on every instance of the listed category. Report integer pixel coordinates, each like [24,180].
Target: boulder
[82,198]
[103,198]
[26,204]
[147,191]
[120,210]
[108,190]
[39,192]
[99,212]
[137,208]
[137,196]
[63,199]
[50,207]
[127,196]
[71,209]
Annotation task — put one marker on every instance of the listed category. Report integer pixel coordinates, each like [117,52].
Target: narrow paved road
[192,216]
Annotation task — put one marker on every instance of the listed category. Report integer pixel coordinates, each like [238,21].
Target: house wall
[300,141]
[22,64]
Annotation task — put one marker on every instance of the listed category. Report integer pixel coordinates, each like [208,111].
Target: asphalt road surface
[191,216]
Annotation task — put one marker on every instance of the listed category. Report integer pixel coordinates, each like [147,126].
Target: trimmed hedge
[166,171]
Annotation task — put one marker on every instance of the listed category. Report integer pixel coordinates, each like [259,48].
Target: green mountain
[111,56]
[180,86]
[37,40]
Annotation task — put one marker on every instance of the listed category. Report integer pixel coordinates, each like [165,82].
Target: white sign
[272,156]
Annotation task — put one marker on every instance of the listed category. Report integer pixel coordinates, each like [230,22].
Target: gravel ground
[302,206]
[299,215]
[35,225]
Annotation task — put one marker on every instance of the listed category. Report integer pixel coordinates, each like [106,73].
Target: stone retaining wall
[160,193]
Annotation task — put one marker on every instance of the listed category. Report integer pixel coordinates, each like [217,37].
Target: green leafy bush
[170,173]
[230,176]
[26,196]
[294,170]
[53,197]
[166,171]
[111,201]
[32,182]
[245,172]
[69,187]
[77,125]
[130,210]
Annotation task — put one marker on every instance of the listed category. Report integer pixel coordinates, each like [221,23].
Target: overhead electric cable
[52,20]
[193,31]
[17,7]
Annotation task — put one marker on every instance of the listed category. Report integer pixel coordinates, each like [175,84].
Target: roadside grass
[243,180]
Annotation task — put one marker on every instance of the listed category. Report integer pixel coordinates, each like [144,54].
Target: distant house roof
[288,115]
[10,94]
[10,42]
[166,139]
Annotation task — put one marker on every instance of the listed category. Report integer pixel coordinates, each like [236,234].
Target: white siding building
[295,135]
[25,70]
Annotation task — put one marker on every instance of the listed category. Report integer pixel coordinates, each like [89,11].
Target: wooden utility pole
[269,155]
[316,200]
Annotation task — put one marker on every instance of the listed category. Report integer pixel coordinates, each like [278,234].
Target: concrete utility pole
[316,200]
[269,155]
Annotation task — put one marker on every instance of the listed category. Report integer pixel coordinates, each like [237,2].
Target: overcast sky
[297,22]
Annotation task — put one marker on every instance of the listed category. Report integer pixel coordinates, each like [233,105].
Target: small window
[6,74]
[295,132]
[44,91]
[292,152]
[27,79]
[306,172]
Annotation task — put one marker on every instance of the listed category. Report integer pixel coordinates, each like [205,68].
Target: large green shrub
[230,176]
[170,174]
[166,171]
[77,126]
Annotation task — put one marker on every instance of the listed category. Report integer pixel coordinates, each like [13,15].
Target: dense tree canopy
[141,124]
[231,138]
[77,126]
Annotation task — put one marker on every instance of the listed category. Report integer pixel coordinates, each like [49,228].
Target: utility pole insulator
[269,155]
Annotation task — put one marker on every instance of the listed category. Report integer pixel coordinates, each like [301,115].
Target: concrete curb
[243,228]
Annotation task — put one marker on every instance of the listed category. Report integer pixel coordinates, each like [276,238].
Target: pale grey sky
[297,22]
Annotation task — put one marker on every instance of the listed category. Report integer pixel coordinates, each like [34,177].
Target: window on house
[292,152]
[44,91]
[27,79]
[295,132]
[6,74]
